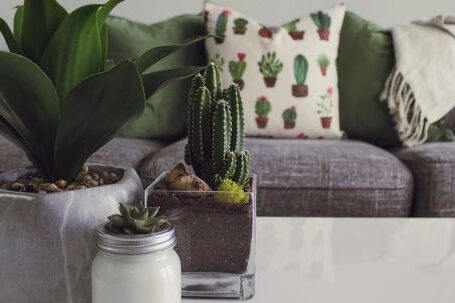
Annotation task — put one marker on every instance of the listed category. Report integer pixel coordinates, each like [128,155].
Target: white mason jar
[136,268]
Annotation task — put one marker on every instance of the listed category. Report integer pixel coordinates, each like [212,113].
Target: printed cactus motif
[293,31]
[216,133]
[289,116]
[300,73]
[265,32]
[240,26]
[221,25]
[262,109]
[323,22]
[237,69]
[270,67]
[323,62]
[325,107]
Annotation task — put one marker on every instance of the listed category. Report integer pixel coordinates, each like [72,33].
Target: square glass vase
[216,238]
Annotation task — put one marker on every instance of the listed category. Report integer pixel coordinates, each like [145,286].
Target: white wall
[271,12]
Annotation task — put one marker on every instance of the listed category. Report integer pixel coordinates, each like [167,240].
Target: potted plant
[270,67]
[240,26]
[300,73]
[323,62]
[325,107]
[323,22]
[295,33]
[60,104]
[213,210]
[237,69]
[289,116]
[262,110]
[265,32]
[221,26]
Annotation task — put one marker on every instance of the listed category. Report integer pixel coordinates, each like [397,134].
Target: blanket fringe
[411,124]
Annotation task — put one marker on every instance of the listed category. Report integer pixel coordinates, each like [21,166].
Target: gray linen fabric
[316,177]
[124,152]
[433,167]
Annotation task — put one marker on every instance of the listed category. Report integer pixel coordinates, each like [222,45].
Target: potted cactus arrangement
[262,109]
[240,26]
[60,104]
[213,210]
[323,22]
[237,69]
[293,31]
[265,32]
[270,67]
[289,116]
[323,62]
[221,26]
[300,73]
[325,107]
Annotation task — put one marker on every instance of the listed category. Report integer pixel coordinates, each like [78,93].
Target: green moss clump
[230,192]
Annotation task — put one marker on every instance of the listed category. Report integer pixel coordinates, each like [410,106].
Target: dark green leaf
[9,38]
[154,55]
[124,210]
[29,105]
[160,79]
[39,22]
[94,111]
[18,17]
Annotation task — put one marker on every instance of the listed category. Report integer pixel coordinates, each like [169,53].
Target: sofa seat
[433,167]
[316,177]
[123,152]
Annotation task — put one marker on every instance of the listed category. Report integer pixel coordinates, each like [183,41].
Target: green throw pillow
[165,113]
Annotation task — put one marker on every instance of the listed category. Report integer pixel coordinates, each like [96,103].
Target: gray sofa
[312,177]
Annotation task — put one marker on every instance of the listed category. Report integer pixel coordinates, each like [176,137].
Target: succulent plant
[322,20]
[135,219]
[240,24]
[323,60]
[289,115]
[216,133]
[300,69]
[270,66]
[237,68]
[291,26]
[221,25]
[262,107]
[58,102]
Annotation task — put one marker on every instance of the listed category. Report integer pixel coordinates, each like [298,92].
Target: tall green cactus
[300,69]
[216,132]
[221,25]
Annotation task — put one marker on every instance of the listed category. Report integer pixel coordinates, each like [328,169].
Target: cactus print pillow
[287,75]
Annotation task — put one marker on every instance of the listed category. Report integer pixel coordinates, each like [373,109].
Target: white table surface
[367,260]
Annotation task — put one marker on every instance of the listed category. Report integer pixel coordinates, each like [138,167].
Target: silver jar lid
[135,244]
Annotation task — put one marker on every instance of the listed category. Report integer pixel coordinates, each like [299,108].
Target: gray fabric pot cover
[47,241]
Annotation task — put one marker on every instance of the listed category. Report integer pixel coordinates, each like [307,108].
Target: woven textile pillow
[288,75]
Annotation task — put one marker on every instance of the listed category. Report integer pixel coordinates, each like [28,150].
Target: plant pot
[219,40]
[297,35]
[324,34]
[240,83]
[270,81]
[47,243]
[239,31]
[265,33]
[262,122]
[324,70]
[300,90]
[326,122]
[289,125]
[215,240]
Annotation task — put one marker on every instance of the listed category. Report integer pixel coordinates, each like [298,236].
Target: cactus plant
[291,27]
[300,73]
[216,133]
[323,62]
[289,116]
[240,26]
[262,109]
[221,25]
[270,67]
[323,22]
[325,106]
[237,69]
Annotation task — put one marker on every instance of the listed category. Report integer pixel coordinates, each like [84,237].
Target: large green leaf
[40,20]
[95,110]
[77,49]
[9,37]
[154,55]
[29,108]
[160,79]
[18,17]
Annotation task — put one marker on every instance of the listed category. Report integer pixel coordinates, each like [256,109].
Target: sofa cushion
[123,152]
[316,177]
[433,167]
